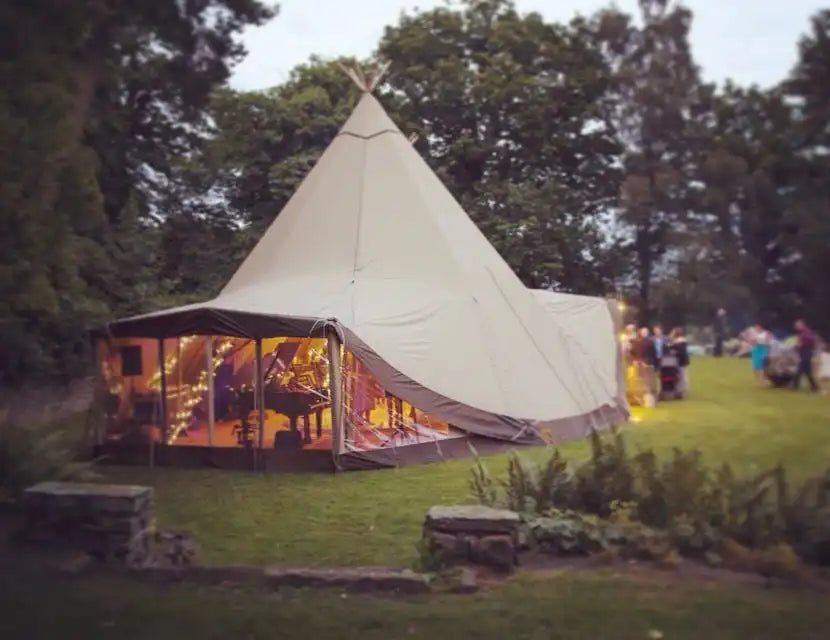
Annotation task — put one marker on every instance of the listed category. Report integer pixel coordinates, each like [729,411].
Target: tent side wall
[479,424]
[488,433]
[619,327]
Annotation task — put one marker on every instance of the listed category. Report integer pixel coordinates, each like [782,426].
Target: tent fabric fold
[375,242]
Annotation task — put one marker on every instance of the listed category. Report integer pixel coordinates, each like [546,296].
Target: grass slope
[375,517]
[531,606]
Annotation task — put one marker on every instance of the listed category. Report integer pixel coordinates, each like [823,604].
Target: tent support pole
[259,391]
[210,390]
[335,389]
[163,386]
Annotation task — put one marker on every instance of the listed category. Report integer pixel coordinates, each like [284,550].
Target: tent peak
[367,83]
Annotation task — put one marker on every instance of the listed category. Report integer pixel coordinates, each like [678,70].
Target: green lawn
[531,606]
[375,518]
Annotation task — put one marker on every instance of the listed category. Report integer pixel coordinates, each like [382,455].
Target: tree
[98,97]
[808,91]
[265,143]
[655,85]
[509,111]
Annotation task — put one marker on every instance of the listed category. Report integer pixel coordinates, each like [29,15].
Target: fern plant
[698,508]
[554,488]
[520,486]
[482,486]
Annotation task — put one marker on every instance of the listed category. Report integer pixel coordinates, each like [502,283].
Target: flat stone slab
[88,489]
[115,498]
[200,574]
[350,579]
[472,519]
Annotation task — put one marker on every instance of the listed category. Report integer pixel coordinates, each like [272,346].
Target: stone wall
[104,521]
[473,534]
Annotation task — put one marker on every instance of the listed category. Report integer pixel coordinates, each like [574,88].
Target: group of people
[647,351]
[762,341]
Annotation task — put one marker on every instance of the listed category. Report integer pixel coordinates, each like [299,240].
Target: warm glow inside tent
[373,324]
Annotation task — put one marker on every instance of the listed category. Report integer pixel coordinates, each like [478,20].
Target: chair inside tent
[372,325]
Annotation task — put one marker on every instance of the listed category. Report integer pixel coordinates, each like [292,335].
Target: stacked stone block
[474,535]
[104,521]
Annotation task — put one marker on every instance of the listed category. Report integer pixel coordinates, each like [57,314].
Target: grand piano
[296,391]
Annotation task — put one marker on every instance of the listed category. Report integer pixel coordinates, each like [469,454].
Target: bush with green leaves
[697,508]
[31,454]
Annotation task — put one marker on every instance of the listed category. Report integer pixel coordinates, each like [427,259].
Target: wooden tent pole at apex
[367,84]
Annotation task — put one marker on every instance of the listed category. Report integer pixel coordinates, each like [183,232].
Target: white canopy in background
[373,241]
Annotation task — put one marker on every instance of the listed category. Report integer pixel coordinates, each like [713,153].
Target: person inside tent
[761,340]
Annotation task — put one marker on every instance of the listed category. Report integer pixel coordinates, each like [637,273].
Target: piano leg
[307,429]
[292,420]
[318,418]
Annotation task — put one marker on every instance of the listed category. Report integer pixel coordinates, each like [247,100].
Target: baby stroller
[670,384]
[780,366]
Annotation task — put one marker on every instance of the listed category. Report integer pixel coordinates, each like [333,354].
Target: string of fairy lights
[191,395]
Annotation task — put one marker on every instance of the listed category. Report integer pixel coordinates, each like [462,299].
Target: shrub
[430,559]
[31,454]
[555,485]
[521,486]
[482,485]
[696,508]
[607,477]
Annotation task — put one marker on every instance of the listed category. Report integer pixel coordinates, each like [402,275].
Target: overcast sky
[750,41]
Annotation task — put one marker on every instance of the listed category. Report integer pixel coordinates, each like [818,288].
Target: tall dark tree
[655,85]
[808,91]
[97,97]
[509,106]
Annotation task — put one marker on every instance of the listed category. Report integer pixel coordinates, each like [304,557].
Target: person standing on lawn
[648,358]
[660,344]
[680,350]
[761,341]
[719,329]
[805,346]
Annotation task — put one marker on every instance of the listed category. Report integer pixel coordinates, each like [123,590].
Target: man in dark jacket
[805,346]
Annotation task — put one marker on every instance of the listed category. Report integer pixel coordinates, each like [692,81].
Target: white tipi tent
[593,325]
[373,245]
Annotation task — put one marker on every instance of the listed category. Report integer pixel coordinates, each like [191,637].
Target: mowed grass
[544,605]
[374,518]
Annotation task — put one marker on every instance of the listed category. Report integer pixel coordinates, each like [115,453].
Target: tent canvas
[373,248]
[593,326]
